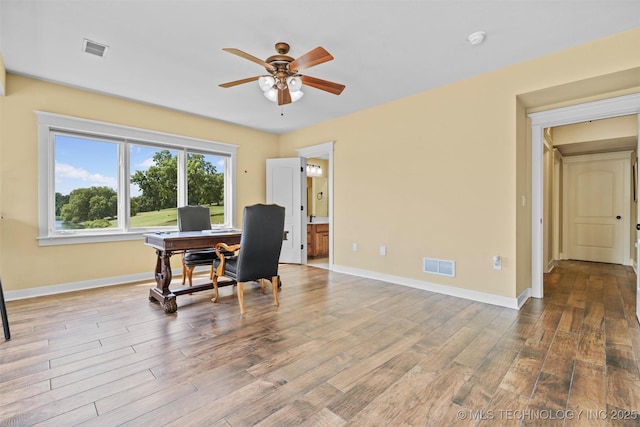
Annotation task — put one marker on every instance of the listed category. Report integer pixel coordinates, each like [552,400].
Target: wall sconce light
[314,170]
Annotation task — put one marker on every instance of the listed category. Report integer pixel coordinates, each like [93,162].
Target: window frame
[50,124]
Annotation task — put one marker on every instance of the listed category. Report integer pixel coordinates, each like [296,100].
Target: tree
[134,206]
[202,181]
[159,184]
[218,189]
[98,207]
[90,204]
[61,200]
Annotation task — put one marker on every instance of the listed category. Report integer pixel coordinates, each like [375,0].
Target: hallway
[597,339]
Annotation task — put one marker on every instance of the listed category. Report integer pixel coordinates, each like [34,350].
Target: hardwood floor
[340,350]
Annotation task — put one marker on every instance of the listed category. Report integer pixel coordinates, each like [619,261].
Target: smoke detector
[477,37]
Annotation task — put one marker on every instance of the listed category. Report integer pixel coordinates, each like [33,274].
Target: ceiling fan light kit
[283,84]
[270,87]
[266,82]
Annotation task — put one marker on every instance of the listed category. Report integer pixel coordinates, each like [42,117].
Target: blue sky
[84,163]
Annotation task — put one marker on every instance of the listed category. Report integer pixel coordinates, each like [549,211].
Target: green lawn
[168,217]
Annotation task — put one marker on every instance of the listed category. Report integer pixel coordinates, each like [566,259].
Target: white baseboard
[524,297]
[514,303]
[551,265]
[79,286]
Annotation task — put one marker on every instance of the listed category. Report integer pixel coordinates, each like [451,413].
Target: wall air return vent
[439,266]
[94,48]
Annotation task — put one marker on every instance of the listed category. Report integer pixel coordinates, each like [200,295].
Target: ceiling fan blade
[335,88]
[284,96]
[311,58]
[239,82]
[251,58]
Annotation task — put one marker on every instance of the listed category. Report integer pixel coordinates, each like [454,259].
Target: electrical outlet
[497,263]
[383,250]
[354,247]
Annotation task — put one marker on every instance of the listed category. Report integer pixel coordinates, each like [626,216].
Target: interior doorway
[607,108]
[320,197]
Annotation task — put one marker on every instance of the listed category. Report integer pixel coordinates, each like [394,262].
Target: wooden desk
[166,244]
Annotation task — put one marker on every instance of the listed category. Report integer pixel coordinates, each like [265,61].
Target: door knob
[638,227]
[618,217]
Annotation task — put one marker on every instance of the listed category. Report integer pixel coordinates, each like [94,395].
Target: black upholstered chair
[3,312]
[257,254]
[195,218]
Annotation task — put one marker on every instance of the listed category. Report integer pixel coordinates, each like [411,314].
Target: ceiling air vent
[94,48]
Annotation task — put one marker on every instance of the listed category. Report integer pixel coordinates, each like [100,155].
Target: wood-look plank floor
[340,350]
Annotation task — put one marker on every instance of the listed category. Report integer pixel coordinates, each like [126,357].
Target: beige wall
[3,77]
[26,265]
[441,174]
[451,168]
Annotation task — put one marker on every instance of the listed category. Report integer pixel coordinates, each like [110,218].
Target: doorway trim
[324,151]
[596,110]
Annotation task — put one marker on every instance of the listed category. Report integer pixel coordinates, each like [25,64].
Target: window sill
[82,238]
[75,239]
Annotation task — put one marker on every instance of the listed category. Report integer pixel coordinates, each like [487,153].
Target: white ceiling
[169,53]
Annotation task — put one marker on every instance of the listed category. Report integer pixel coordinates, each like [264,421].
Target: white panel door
[636,190]
[638,275]
[286,186]
[595,203]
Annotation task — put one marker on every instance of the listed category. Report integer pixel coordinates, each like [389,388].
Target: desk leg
[161,292]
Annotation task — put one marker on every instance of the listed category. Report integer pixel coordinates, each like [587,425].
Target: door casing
[324,151]
[603,109]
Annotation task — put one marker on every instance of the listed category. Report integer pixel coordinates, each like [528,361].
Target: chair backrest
[261,242]
[194,218]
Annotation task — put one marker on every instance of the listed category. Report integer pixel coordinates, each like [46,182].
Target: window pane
[86,183]
[154,186]
[205,183]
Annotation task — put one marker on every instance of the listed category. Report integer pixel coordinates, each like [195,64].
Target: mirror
[317,190]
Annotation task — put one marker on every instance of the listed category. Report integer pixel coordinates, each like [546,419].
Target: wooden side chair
[257,254]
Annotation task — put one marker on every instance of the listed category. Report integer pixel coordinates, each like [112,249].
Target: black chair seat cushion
[203,256]
[200,257]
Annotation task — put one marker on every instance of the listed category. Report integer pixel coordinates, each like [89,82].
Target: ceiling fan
[283,83]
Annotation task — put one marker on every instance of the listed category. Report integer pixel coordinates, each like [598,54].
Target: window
[101,182]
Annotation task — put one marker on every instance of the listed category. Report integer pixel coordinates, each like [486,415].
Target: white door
[596,207]
[286,186]
[636,190]
[637,274]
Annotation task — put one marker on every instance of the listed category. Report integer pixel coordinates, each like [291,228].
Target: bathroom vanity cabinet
[317,240]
